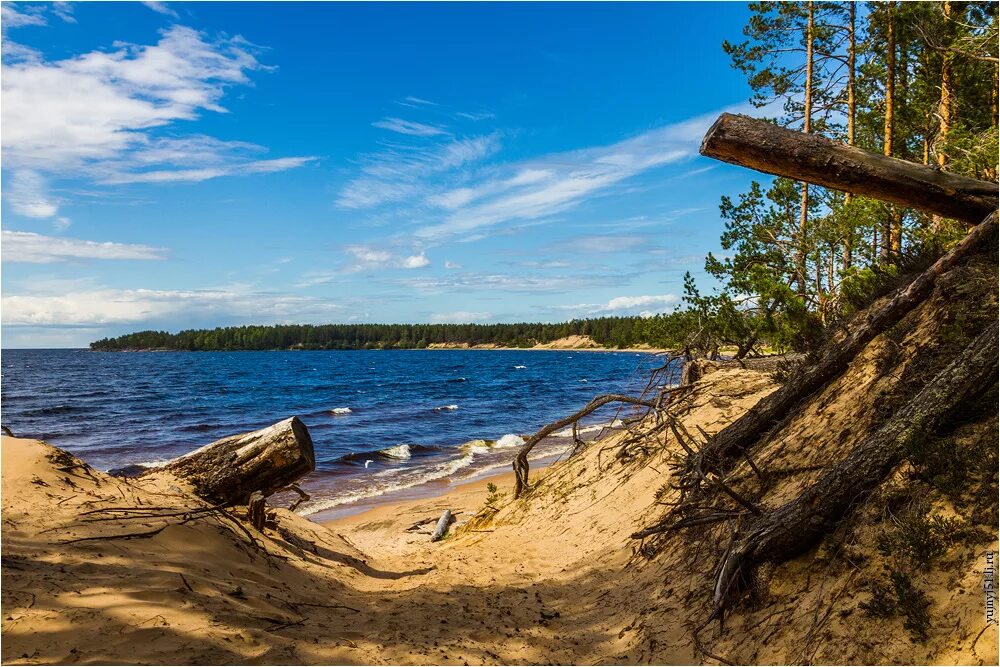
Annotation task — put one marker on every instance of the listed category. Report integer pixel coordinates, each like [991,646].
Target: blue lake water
[380,420]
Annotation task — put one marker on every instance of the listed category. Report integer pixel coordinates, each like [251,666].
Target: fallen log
[231,469]
[738,436]
[757,144]
[796,526]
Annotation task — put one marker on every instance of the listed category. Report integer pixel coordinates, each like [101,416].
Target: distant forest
[615,332]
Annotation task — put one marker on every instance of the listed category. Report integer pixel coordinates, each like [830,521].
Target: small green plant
[900,595]
[918,539]
[493,496]
[882,604]
[913,604]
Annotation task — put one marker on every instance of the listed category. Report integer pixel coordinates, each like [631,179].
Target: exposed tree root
[796,526]
[736,439]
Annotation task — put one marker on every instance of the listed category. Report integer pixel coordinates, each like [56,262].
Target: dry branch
[521,460]
[760,145]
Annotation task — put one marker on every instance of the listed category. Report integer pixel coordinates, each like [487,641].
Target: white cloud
[11,15]
[416,261]
[114,306]
[459,317]
[64,10]
[160,8]
[452,265]
[410,100]
[604,243]
[627,304]
[26,195]
[473,115]
[520,282]
[396,173]
[366,258]
[95,115]
[409,127]
[32,248]
[545,186]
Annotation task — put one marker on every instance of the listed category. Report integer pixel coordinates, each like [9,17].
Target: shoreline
[430,491]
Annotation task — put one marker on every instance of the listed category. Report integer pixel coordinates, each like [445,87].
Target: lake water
[381,421]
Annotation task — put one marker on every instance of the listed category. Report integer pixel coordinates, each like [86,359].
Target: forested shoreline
[613,332]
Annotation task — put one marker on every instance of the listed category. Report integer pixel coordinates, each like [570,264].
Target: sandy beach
[105,570]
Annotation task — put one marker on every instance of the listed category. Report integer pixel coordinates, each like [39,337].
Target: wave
[442,408]
[198,428]
[509,440]
[415,477]
[457,380]
[400,452]
[55,410]
[341,411]
[520,366]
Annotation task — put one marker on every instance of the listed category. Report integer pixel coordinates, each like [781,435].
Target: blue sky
[205,164]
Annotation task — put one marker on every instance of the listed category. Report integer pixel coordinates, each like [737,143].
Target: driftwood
[442,526]
[231,469]
[256,511]
[521,460]
[760,145]
[738,436]
[796,526]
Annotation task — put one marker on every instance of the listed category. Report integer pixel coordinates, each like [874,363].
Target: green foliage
[918,539]
[493,495]
[788,269]
[618,332]
[900,596]
[913,604]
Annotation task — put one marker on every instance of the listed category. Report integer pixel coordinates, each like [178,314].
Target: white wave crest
[446,407]
[509,440]
[341,411]
[401,452]
[520,366]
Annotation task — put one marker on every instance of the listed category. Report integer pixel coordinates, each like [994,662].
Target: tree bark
[231,469]
[945,103]
[852,112]
[796,526]
[888,130]
[803,241]
[745,431]
[768,148]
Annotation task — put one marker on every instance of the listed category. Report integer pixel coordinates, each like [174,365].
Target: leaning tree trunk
[760,145]
[742,433]
[796,526]
[230,470]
